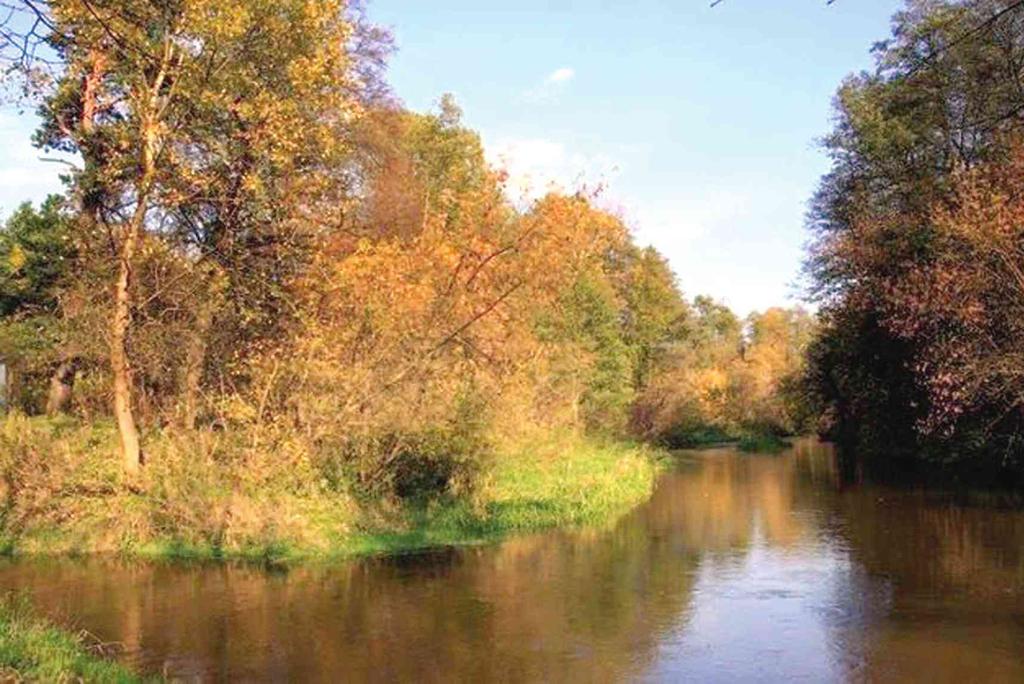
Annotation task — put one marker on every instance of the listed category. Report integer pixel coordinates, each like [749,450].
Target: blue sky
[700,122]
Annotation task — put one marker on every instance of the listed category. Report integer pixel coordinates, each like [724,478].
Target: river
[740,568]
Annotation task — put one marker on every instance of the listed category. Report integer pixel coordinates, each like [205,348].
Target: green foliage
[655,312]
[763,442]
[592,321]
[690,436]
[448,156]
[37,255]
[714,329]
[36,252]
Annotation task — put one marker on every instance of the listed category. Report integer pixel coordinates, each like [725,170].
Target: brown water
[741,568]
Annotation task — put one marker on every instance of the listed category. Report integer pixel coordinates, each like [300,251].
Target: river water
[740,568]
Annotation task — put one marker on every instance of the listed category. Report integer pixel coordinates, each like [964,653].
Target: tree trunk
[195,360]
[61,384]
[128,433]
[5,394]
[131,454]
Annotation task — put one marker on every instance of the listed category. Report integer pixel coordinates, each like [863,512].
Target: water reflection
[739,568]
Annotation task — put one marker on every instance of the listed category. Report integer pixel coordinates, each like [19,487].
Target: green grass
[559,483]
[762,443]
[698,435]
[32,649]
[194,502]
[749,438]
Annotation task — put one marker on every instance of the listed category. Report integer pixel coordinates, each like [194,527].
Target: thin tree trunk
[131,454]
[195,361]
[128,433]
[149,120]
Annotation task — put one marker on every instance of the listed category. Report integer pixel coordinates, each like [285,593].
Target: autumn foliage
[917,258]
[264,256]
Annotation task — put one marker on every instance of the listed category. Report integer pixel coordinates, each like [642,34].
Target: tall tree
[946,92]
[171,90]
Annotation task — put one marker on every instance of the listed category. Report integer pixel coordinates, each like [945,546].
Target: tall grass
[216,495]
[562,480]
[200,493]
[32,649]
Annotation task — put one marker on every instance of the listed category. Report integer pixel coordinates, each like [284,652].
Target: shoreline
[567,482]
[33,648]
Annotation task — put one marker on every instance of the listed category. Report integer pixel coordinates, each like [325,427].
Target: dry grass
[218,495]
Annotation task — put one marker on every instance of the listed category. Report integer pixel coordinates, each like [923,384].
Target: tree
[773,362]
[36,248]
[968,302]
[945,95]
[37,253]
[156,96]
[655,312]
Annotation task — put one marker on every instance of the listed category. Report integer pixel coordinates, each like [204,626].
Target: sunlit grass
[32,649]
[561,482]
[65,495]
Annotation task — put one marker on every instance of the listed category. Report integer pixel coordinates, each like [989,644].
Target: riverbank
[751,439]
[33,649]
[62,493]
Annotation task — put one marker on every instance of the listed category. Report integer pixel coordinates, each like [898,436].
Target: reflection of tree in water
[911,584]
[580,605]
[953,566]
[715,505]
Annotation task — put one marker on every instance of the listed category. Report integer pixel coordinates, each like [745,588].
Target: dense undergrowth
[63,492]
[33,649]
[750,438]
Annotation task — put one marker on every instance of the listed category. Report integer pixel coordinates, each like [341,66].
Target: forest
[297,382]
[275,306]
[918,248]
[276,309]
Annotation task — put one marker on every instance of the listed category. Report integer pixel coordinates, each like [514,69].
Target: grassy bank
[208,495]
[762,443]
[564,482]
[32,649]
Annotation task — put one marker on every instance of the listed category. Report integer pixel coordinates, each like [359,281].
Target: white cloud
[550,87]
[676,223]
[561,75]
[536,166]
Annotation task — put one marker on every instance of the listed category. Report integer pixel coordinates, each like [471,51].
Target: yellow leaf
[16,259]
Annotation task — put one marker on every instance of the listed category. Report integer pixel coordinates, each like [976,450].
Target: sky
[700,124]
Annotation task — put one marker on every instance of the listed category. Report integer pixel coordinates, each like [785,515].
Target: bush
[63,490]
[762,442]
[689,436]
